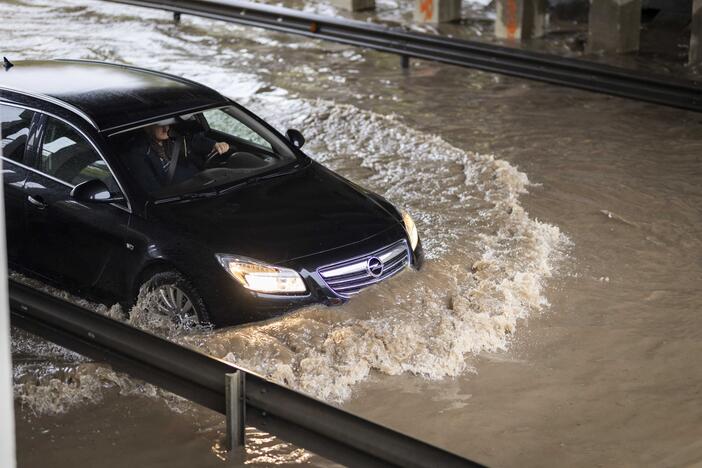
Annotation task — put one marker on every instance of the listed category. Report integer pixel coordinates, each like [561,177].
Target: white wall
[7,413]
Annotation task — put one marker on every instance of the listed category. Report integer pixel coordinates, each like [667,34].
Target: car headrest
[186,127]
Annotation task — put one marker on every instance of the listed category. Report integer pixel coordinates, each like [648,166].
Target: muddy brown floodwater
[557,321]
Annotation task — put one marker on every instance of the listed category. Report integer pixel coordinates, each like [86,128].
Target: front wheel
[172,295]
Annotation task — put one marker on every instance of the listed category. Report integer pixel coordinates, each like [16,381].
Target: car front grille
[350,276]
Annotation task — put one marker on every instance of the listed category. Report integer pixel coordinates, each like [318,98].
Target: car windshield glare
[202,152]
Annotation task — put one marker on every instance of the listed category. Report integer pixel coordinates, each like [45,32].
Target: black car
[118,178]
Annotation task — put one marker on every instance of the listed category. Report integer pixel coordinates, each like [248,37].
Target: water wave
[487,266]
[487,262]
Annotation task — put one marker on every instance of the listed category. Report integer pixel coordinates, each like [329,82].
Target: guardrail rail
[574,73]
[245,397]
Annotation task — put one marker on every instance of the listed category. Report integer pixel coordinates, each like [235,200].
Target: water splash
[488,262]
[487,259]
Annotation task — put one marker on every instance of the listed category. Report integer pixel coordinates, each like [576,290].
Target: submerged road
[556,322]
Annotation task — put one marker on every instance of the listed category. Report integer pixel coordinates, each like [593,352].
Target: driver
[173,158]
[188,152]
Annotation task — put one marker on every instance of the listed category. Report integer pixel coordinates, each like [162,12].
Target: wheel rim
[173,302]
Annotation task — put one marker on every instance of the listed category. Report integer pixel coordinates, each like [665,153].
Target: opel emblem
[374,267]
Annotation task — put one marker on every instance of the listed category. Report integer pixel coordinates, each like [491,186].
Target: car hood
[281,219]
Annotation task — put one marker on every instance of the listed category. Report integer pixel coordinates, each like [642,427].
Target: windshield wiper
[231,188]
[187,196]
[272,175]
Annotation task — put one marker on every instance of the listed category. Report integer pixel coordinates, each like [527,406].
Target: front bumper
[230,304]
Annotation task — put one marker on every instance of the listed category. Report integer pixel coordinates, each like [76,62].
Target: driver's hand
[221,147]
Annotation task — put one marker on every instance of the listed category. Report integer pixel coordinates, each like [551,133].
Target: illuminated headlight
[411,229]
[261,277]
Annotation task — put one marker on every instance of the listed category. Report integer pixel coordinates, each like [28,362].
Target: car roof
[110,96]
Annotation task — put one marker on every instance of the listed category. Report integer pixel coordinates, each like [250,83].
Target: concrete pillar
[615,26]
[520,19]
[696,33]
[437,11]
[354,5]
[7,411]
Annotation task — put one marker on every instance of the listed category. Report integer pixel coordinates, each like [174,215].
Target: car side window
[67,156]
[223,122]
[14,131]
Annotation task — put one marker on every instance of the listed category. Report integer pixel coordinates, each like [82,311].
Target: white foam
[488,261]
[487,268]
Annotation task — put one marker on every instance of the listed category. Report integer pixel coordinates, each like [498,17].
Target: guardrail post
[404,61]
[176,17]
[236,411]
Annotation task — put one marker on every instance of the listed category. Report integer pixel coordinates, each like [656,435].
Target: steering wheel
[217,159]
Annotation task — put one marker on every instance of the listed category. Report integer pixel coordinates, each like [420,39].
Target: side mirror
[93,190]
[295,138]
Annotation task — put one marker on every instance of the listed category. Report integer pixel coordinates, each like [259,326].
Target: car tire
[177,297]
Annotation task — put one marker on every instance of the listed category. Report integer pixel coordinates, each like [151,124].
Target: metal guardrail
[326,430]
[487,57]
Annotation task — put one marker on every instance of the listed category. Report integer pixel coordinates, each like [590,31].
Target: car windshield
[205,152]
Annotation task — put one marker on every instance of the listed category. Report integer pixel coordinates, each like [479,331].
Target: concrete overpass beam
[437,11]
[696,33]
[615,26]
[520,19]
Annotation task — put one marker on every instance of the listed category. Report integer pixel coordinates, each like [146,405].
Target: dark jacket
[151,171]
